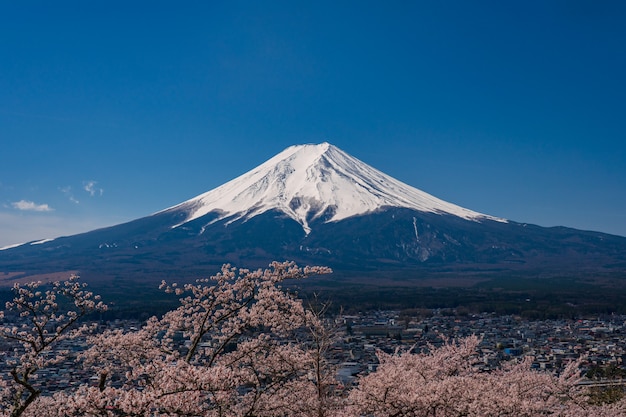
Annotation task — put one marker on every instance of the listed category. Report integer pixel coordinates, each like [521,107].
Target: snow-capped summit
[309,182]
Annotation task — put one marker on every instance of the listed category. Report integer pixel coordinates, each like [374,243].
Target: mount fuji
[316,204]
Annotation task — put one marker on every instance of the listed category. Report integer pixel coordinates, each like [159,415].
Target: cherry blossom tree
[444,382]
[238,345]
[41,325]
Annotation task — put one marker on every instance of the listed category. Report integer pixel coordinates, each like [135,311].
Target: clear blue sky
[112,110]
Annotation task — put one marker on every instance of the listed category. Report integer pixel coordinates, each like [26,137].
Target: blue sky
[110,111]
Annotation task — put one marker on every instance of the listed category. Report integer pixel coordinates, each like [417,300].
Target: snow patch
[39,242]
[310,182]
[12,246]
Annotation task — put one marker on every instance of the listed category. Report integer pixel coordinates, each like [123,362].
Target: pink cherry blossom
[240,344]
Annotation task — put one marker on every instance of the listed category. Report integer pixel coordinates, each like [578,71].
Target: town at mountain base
[239,345]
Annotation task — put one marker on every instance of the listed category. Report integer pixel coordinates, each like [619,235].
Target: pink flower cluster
[241,345]
[43,326]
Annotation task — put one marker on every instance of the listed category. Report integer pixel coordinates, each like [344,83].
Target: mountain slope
[315,204]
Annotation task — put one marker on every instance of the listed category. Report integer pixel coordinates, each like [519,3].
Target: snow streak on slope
[307,182]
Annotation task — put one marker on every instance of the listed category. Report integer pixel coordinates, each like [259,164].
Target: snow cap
[309,182]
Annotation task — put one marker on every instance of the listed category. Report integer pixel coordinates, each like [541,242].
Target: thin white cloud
[30,206]
[68,192]
[90,187]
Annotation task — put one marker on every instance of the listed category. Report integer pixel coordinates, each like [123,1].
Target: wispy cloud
[68,192]
[90,187]
[30,206]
